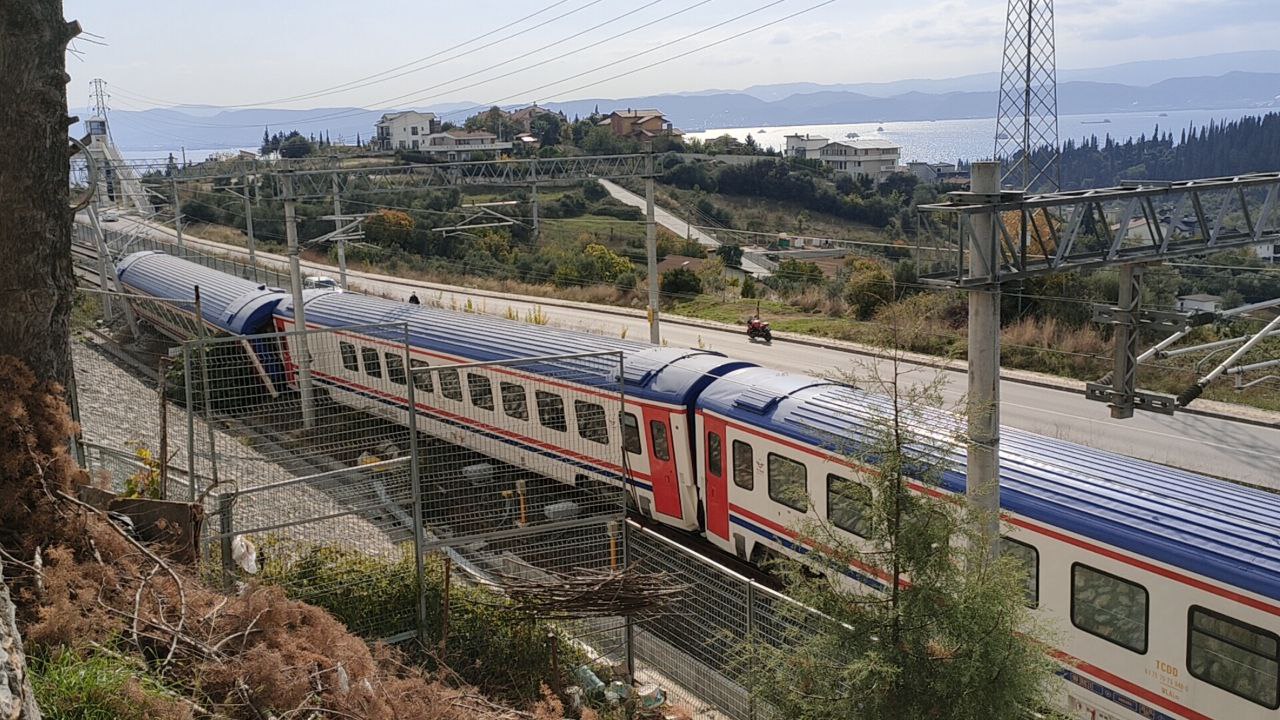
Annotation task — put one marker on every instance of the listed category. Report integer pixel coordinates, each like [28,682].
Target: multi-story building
[858,157]
[460,144]
[638,124]
[404,130]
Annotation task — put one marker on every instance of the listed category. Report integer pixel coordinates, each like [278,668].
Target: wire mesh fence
[121,243]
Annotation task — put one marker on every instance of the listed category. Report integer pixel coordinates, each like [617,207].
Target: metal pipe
[1195,390]
[1217,344]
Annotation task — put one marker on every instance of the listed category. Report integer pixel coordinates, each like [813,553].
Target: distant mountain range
[1234,80]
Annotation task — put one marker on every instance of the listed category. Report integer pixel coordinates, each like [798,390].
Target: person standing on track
[413,299]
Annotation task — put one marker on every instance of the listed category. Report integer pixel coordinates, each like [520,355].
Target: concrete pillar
[983,458]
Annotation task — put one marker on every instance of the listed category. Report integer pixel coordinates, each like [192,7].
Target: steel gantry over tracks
[991,238]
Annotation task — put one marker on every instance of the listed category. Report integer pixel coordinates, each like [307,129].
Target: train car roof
[669,375]
[228,303]
[1210,527]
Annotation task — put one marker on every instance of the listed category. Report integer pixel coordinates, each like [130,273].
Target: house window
[414,131]
[349,359]
[1235,656]
[421,378]
[514,402]
[849,505]
[372,366]
[630,433]
[744,469]
[715,459]
[395,368]
[551,411]
[788,482]
[1028,558]
[591,422]
[451,384]
[1110,607]
[481,391]
[661,448]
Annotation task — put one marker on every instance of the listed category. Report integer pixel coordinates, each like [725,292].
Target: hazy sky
[235,52]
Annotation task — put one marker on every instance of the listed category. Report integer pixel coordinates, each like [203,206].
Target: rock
[17,700]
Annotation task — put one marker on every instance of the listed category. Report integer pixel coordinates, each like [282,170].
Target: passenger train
[1165,585]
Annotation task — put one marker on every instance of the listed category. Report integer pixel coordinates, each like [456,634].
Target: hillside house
[523,118]
[934,173]
[639,124]
[858,157]
[404,130]
[461,144]
[1199,303]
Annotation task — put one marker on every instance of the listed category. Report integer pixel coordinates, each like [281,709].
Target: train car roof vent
[757,400]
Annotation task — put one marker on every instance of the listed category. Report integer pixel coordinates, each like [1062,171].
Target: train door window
[658,433]
[372,366]
[744,465]
[481,391]
[421,378]
[395,368]
[514,402]
[1110,607]
[630,433]
[715,455]
[849,505]
[591,421]
[1028,559]
[1237,657]
[788,482]
[551,410]
[451,384]
[349,359]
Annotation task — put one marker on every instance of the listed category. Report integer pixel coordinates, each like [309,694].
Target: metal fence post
[226,526]
[751,631]
[415,493]
[191,423]
[629,632]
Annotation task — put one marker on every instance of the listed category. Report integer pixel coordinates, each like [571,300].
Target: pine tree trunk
[36,280]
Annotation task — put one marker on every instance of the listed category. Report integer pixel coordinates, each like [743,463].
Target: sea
[937,141]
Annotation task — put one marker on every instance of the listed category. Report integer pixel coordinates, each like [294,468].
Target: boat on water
[1104,121]
[851,136]
[760,131]
[880,129]
[1164,115]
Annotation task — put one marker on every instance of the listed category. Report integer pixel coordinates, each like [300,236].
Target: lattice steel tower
[1027,120]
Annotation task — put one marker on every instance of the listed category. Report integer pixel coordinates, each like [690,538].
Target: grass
[99,686]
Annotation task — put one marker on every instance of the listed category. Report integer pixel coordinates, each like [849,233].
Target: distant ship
[851,136]
[1164,114]
[760,131]
[1096,122]
[880,129]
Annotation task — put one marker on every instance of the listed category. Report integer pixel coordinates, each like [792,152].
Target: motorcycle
[759,329]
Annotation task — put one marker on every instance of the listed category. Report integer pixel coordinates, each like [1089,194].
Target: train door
[712,449]
[662,462]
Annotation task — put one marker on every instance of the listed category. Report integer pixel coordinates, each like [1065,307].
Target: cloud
[782,38]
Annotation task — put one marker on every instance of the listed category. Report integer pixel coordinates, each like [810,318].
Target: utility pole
[177,211]
[982,485]
[337,225]
[248,223]
[651,249]
[533,171]
[1125,374]
[302,353]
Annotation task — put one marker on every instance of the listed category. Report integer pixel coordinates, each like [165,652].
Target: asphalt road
[1215,446]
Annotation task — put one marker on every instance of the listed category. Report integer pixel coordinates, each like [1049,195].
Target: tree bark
[17,701]
[36,279]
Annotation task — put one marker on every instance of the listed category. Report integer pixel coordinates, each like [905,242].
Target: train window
[481,391]
[372,366]
[849,505]
[1237,657]
[630,433]
[421,378]
[715,459]
[788,482]
[349,359]
[661,448]
[1110,607]
[451,384]
[1028,559]
[395,368]
[591,421]
[744,466]
[551,411]
[514,402]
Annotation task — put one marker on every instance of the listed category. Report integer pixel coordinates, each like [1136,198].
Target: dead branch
[591,593]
